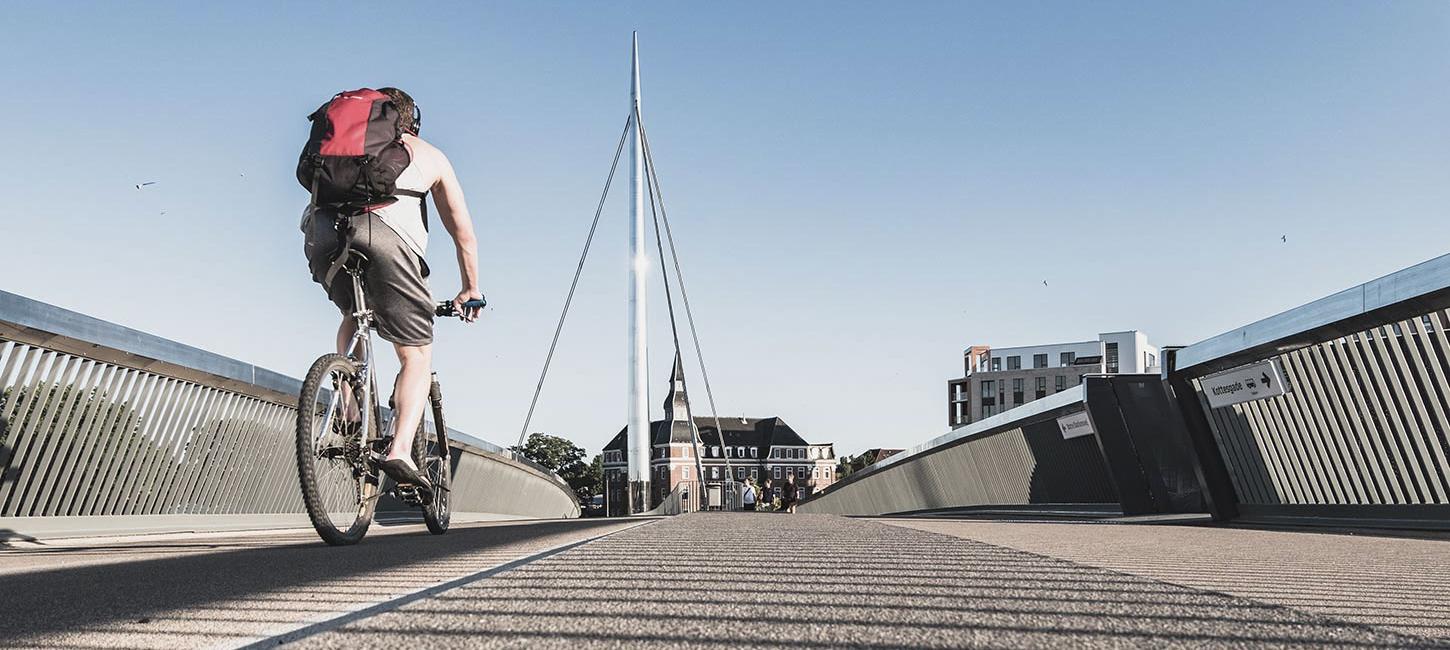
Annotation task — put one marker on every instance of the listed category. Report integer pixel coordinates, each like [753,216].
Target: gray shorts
[394,282]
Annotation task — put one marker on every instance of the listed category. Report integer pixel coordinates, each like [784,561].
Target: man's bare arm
[453,212]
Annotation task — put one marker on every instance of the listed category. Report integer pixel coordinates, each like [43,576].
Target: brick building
[751,448]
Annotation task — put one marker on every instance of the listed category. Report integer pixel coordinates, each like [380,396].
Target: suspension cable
[588,241]
[684,296]
[675,335]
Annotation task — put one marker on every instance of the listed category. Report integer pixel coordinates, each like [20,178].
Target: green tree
[563,457]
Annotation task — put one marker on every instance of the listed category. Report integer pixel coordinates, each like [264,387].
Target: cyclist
[394,238]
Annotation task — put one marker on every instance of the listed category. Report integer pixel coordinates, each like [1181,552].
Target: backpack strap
[422,203]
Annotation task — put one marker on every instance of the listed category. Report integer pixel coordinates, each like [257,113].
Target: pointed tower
[677,407]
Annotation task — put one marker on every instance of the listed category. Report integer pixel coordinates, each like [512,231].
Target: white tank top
[405,216]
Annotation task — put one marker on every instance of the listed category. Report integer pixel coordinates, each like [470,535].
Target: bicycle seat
[353,260]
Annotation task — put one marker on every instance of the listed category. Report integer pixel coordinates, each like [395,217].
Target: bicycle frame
[362,342]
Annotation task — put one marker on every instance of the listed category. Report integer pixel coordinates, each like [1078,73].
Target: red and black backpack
[355,154]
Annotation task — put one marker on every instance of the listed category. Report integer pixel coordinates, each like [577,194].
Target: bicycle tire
[428,455]
[317,380]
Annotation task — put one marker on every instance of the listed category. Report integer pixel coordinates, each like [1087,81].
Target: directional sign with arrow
[1258,380]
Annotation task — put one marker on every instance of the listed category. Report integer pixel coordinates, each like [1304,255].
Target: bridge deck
[732,580]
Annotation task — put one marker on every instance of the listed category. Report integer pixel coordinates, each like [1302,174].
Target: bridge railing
[1361,434]
[99,421]
[1016,458]
[700,496]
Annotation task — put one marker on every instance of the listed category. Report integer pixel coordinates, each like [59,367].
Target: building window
[1066,358]
[685,473]
[988,389]
[1149,360]
[1014,362]
[1041,387]
[777,473]
[740,451]
[816,473]
[1061,383]
[714,472]
[815,453]
[1039,360]
[740,473]
[754,473]
[996,364]
[1017,391]
[752,452]
[1112,357]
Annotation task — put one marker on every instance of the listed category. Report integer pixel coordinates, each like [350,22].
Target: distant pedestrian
[788,494]
[747,499]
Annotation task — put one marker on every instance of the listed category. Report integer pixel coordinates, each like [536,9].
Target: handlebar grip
[445,308]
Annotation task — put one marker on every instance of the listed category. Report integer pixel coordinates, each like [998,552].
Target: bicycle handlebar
[445,309]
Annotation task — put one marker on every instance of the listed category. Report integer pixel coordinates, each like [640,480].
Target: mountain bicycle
[339,445]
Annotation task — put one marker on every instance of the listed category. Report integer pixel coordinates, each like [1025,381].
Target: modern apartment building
[998,379]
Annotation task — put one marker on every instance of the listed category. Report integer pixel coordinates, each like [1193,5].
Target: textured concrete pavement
[225,590]
[1400,584]
[803,581]
[702,580]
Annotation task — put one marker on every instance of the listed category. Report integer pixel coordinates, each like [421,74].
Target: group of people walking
[752,501]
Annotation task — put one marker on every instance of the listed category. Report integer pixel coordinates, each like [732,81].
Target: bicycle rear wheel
[338,487]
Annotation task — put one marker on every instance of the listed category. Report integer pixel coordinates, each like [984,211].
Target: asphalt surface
[702,580]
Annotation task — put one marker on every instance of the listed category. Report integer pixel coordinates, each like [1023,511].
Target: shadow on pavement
[296,576]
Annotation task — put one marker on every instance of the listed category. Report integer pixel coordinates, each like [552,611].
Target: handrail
[1404,293]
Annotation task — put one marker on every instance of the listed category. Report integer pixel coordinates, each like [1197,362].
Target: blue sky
[859,190]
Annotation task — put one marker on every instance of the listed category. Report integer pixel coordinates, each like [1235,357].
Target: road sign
[1076,425]
[1244,384]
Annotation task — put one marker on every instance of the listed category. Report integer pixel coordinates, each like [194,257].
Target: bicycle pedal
[413,495]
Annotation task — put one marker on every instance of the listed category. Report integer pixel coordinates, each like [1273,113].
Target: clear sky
[859,190]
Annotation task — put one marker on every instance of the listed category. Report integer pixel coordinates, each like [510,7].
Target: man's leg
[410,393]
[345,331]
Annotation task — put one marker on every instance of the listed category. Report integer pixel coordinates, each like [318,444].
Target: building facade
[765,451]
[998,379]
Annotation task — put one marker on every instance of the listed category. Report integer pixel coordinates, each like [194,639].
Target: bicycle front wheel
[338,487]
[428,454]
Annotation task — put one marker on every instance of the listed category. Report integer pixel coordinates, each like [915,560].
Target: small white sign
[1244,384]
[1076,425]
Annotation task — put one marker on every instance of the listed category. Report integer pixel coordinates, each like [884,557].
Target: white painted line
[334,621]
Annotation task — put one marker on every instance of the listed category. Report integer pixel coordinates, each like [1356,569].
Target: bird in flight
[1284,238]
[1044,283]
[145,184]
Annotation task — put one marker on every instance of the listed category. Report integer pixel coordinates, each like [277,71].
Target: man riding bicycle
[393,235]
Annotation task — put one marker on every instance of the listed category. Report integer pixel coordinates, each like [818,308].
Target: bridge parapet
[103,421]
[1336,412]
[1015,458]
[1361,434]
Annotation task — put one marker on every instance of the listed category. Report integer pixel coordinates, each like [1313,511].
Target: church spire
[675,401]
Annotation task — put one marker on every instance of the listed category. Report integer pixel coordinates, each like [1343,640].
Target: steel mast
[639,433]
